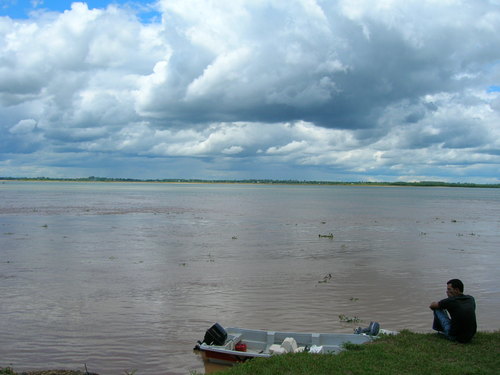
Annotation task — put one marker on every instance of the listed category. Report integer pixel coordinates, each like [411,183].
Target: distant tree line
[257,181]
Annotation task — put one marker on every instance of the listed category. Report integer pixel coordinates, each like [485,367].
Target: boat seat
[232,340]
[234,337]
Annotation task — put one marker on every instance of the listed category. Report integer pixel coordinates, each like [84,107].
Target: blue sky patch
[21,9]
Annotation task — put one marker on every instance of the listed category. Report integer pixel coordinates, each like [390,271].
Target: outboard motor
[372,330]
[215,335]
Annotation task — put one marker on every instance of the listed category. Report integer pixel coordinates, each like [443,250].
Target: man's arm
[434,306]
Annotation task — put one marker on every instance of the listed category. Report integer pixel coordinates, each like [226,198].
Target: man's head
[454,287]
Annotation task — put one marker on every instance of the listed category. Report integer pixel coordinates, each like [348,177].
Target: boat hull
[264,344]
[228,357]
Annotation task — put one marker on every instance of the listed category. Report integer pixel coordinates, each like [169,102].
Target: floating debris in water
[329,235]
[326,278]
[349,319]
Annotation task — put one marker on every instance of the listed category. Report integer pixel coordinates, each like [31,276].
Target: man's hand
[434,306]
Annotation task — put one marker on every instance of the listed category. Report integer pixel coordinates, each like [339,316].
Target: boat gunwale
[268,338]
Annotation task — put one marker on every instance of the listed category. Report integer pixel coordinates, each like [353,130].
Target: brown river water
[124,276]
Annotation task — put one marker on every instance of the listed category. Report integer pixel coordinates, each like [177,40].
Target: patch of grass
[405,354]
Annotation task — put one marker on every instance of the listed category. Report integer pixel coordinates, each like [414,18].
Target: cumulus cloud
[343,89]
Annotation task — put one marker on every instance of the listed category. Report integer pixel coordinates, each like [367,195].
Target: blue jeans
[442,323]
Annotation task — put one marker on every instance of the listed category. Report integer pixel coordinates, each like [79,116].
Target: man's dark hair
[456,284]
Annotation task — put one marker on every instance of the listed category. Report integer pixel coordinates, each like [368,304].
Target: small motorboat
[233,345]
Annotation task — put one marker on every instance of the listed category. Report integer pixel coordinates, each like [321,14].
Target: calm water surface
[129,276]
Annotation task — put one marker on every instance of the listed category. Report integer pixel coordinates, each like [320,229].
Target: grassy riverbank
[405,354]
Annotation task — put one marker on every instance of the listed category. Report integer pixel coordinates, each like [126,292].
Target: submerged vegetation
[349,319]
[257,181]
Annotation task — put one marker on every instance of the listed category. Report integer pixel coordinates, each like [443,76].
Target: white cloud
[217,75]
[23,127]
[232,150]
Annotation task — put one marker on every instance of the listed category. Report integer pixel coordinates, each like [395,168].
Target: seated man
[461,324]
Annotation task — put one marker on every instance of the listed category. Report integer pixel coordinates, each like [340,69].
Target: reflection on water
[129,276]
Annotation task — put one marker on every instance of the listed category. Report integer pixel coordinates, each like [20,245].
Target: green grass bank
[405,354]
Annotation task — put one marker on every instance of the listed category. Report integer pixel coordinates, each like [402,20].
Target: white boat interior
[266,342]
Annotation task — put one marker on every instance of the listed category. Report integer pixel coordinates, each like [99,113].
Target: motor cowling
[215,335]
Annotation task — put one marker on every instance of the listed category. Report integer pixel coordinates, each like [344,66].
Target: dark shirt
[462,310]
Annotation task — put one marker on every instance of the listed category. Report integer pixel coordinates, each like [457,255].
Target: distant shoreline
[253,181]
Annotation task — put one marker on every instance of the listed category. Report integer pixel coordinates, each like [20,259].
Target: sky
[331,90]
